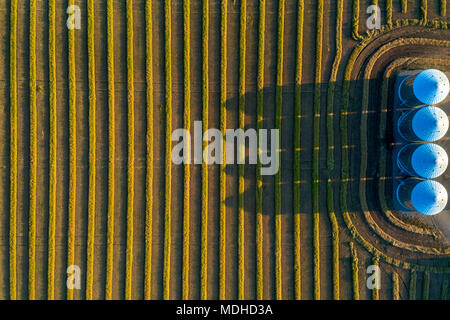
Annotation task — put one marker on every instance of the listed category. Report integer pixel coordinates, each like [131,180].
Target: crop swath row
[205,104]
[149,156]
[223,127]
[241,183]
[130,200]
[13,154]
[316,150]
[92,156]
[72,152]
[330,154]
[278,122]
[168,168]
[297,145]
[187,125]
[111,151]
[53,142]
[33,156]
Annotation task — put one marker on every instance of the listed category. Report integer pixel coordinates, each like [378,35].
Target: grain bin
[426,161]
[427,197]
[429,87]
[423,124]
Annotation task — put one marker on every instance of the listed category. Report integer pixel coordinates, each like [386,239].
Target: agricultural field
[88,187]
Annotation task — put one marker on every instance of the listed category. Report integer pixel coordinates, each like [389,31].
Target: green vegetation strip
[111,151]
[278,123]
[297,150]
[241,183]
[33,157]
[330,153]
[223,127]
[149,155]
[334,239]
[13,154]
[316,149]
[412,284]
[205,104]
[444,289]
[53,150]
[168,168]
[92,140]
[426,286]
[72,152]
[395,286]
[355,271]
[187,125]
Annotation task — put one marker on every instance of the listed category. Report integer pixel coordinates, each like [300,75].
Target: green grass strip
[111,151]
[443,8]
[13,154]
[168,168]
[205,104]
[71,230]
[426,286]
[33,157]
[259,126]
[187,126]
[92,156]
[330,153]
[223,127]
[412,284]
[149,155]
[316,149]
[444,289]
[278,123]
[404,6]
[130,200]
[334,240]
[355,271]
[297,152]
[241,184]
[395,286]
[53,150]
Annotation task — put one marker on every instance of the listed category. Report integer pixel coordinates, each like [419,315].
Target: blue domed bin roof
[429,161]
[429,197]
[431,86]
[430,123]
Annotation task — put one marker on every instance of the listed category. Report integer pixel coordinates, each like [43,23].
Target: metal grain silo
[426,161]
[423,124]
[427,197]
[428,87]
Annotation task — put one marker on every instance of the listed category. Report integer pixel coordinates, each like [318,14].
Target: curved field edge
[393,67]
[364,118]
[345,176]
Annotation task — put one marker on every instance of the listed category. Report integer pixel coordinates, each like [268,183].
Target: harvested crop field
[87,180]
